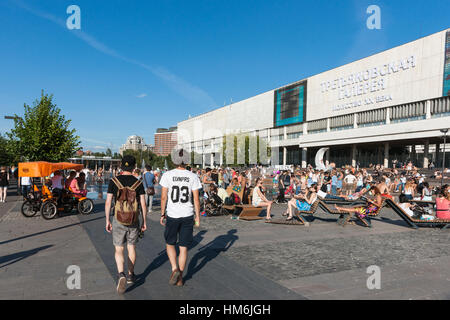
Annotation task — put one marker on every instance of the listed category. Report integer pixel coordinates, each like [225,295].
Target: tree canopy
[6,156]
[150,158]
[43,134]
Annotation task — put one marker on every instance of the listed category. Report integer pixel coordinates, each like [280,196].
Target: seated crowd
[304,186]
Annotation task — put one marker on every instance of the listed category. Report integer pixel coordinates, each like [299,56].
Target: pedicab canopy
[44,169]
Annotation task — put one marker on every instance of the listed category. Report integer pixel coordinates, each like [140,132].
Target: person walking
[281,188]
[149,186]
[226,179]
[25,186]
[178,187]
[4,183]
[127,192]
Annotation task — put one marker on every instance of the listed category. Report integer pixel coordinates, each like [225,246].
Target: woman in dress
[4,183]
[302,203]
[260,200]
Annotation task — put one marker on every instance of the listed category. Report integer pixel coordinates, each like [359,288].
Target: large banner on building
[290,104]
[446,91]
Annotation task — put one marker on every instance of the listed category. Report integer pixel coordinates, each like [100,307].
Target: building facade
[165,141]
[134,143]
[389,106]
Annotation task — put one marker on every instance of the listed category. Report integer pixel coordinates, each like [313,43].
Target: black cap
[128,163]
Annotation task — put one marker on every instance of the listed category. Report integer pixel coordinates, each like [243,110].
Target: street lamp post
[444,131]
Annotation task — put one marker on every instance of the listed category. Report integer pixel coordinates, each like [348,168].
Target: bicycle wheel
[49,210]
[28,209]
[85,206]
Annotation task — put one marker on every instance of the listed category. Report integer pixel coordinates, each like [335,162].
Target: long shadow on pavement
[16,257]
[210,251]
[160,260]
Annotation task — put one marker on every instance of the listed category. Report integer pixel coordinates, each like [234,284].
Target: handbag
[150,191]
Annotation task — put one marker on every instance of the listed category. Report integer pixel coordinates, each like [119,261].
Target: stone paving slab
[209,275]
[229,259]
[429,275]
[35,254]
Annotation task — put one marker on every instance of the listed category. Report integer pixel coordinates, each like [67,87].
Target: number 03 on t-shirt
[180,184]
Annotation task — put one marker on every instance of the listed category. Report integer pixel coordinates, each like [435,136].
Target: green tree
[6,156]
[43,134]
[149,158]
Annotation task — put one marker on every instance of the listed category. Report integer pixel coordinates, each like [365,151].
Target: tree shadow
[16,257]
[161,259]
[210,251]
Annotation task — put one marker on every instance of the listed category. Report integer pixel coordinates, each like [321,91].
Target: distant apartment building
[165,141]
[135,143]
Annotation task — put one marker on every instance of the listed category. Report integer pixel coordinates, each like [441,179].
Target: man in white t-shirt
[179,188]
[350,183]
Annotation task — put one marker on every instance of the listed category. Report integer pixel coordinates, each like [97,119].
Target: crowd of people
[304,186]
[266,186]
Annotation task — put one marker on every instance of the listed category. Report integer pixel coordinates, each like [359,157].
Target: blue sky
[139,65]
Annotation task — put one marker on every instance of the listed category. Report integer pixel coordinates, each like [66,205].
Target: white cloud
[142,95]
[182,87]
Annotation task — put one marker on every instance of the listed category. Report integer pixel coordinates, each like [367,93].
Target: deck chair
[300,213]
[232,208]
[247,211]
[416,223]
[344,217]
[342,202]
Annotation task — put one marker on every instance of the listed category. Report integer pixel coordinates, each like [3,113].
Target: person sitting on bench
[443,203]
[259,199]
[302,202]
[409,207]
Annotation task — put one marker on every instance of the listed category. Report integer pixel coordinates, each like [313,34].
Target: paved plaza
[229,259]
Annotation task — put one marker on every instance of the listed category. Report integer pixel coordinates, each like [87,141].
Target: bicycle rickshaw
[45,200]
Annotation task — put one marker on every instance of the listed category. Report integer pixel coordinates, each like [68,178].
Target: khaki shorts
[124,234]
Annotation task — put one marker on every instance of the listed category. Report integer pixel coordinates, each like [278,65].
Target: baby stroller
[213,205]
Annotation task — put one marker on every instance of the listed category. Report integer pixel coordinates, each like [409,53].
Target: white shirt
[25,181]
[56,182]
[406,209]
[256,199]
[180,184]
[350,179]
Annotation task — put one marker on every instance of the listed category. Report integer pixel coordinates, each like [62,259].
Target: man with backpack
[128,193]
[178,187]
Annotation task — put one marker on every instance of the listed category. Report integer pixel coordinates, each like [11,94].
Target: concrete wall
[419,77]
[252,114]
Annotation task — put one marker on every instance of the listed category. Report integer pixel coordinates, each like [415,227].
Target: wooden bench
[247,211]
